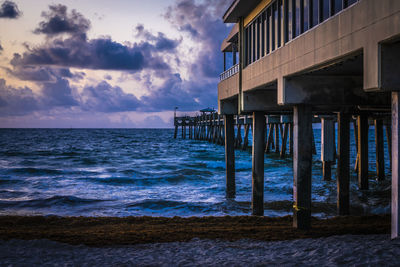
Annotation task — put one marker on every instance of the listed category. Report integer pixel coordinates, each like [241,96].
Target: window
[253,43]
[272,29]
[306,15]
[248,47]
[257,39]
[289,18]
[298,18]
[262,21]
[314,10]
[324,9]
[276,24]
[268,30]
[338,6]
[349,2]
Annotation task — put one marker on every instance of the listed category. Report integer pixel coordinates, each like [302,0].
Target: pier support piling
[388,130]
[230,156]
[356,141]
[343,165]
[395,232]
[363,151]
[327,146]
[302,159]
[257,200]
[380,157]
[284,140]
[277,130]
[246,137]
[269,138]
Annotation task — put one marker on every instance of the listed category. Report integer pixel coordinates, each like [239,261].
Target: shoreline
[117,231]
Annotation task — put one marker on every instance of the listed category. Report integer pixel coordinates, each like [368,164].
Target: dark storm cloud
[202,21]
[187,95]
[22,101]
[106,98]
[101,53]
[16,102]
[42,73]
[9,10]
[58,21]
[59,94]
[159,42]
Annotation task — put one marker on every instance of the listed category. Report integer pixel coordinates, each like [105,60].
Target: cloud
[42,73]
[105,98]
[59,94]
[9,10]
[151,55]
[160,42]
[1,49]
[100,54]
[58,21]
[202,21]
[102,98]
[16,101]
[22,101]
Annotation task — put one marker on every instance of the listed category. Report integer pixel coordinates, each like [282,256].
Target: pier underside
[343,70]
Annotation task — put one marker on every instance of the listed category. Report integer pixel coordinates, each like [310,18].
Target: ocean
[146,172]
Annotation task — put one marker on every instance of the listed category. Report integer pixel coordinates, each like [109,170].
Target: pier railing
[229,73]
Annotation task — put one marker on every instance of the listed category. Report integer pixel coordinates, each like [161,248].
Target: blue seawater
[135,172]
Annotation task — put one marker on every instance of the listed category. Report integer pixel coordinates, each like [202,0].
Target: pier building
[335,59]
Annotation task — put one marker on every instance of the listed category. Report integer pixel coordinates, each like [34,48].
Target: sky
[108,64]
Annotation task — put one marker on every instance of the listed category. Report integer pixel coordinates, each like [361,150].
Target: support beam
[380,157]
[230,156]
[257,200]
[302,160]
[343,166]
[395,165]
[363,151]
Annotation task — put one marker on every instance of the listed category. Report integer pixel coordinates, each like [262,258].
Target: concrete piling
[257,200]
[395,233]
[302,159]
[380,157]
[343,165]
[327,145]
[230,156]
[363,151]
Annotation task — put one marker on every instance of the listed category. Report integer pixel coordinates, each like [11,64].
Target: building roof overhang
[232,38]
[239,8]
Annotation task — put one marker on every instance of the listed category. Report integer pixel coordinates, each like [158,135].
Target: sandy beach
[205,241]
[346,250]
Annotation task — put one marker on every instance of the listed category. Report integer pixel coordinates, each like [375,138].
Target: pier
[287,62]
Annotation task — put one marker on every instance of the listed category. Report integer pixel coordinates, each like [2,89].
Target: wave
[34,171]
[55,201]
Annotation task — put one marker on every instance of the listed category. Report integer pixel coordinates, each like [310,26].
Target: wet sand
[110,231]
